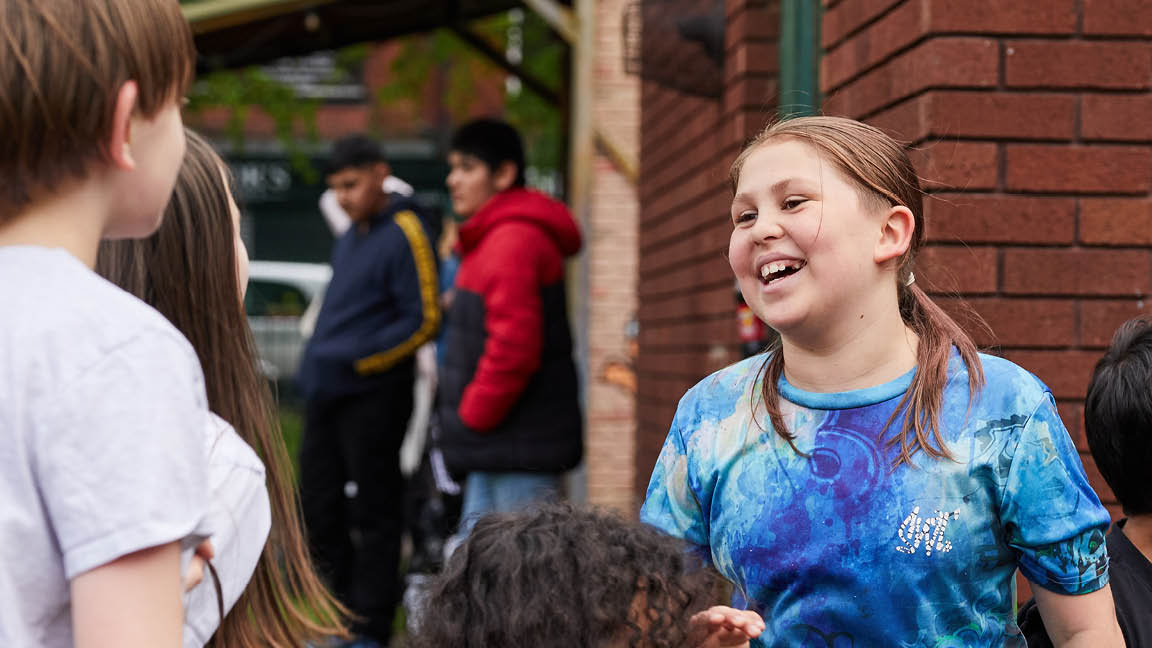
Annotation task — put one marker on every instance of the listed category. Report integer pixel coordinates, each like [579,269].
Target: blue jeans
[504,492]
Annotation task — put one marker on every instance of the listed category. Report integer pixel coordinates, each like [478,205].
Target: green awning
[234,33]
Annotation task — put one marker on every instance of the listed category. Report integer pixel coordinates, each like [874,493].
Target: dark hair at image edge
[1118,416]
[187,271]
[564,576]
[884,177]
[493,142]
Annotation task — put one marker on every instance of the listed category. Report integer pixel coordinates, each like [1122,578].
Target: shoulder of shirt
[402,205]
[91,310]
[1004,375]
[729,382]
[226,448]
[391,230]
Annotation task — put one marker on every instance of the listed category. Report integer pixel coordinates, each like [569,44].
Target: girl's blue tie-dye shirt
[840,549]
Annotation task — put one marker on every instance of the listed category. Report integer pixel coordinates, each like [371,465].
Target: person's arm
[416,294]
[123,475]
[513,326]
[131,602]
[1055,524]
[1081,621]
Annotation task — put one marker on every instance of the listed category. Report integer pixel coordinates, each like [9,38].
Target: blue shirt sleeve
[671,504]
[1052,518]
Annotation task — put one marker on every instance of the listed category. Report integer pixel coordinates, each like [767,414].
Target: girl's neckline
[846,399]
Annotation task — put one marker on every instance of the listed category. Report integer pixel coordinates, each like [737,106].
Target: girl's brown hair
[62,64]
[187,271]
[884,177]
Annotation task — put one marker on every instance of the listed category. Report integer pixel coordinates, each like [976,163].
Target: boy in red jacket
[509,404]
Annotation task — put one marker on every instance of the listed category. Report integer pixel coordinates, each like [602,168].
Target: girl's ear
[896,230]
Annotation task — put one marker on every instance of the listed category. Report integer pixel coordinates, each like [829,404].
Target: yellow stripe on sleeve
[429,298]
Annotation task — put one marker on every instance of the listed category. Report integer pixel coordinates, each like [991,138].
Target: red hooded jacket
[509,396]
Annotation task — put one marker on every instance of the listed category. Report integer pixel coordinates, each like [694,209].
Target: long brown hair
[884,177]
[187,271]
[61,67]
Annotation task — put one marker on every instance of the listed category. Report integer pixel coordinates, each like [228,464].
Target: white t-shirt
[240,518]
[102,453]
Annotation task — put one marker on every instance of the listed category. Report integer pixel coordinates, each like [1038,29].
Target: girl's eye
[792,203]
[744,217]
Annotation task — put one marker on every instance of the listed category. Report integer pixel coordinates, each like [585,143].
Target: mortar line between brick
[869,22]
[999,271]
[1001,167]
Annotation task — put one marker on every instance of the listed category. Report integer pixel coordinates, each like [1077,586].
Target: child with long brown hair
[872,479]
[194,270]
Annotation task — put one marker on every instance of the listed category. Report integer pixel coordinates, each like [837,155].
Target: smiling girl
[872,479]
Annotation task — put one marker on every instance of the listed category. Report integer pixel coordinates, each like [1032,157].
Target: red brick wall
[1032,122]
[685,290]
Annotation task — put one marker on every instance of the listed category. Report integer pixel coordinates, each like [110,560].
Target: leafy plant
[239,91]
[443,52]
[421,59]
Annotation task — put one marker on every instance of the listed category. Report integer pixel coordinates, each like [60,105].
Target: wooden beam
[625,164]
[582,128]
[210,15]
[558,17]
[581,158]
[482,45]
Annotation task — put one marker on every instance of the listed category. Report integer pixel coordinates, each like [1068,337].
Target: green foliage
[238,91]
[421,57]
[544,58]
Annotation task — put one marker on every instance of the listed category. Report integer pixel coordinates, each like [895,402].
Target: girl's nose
[766,228]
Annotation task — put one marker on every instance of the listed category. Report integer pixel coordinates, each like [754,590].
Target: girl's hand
[724,627]
[195,572]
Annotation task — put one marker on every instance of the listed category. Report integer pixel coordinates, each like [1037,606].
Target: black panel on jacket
[544,430]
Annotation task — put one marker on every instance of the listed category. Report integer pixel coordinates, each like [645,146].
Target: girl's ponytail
[938,333]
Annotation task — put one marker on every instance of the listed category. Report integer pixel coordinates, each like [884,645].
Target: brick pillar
[1030,122]
[610,235]
[686,289]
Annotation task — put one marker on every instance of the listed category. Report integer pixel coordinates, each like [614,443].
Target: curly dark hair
[565,576]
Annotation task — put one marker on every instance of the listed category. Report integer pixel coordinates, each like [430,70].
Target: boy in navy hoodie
[509,405]
[357,377]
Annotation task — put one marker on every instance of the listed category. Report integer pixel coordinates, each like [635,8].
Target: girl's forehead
[781,160]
